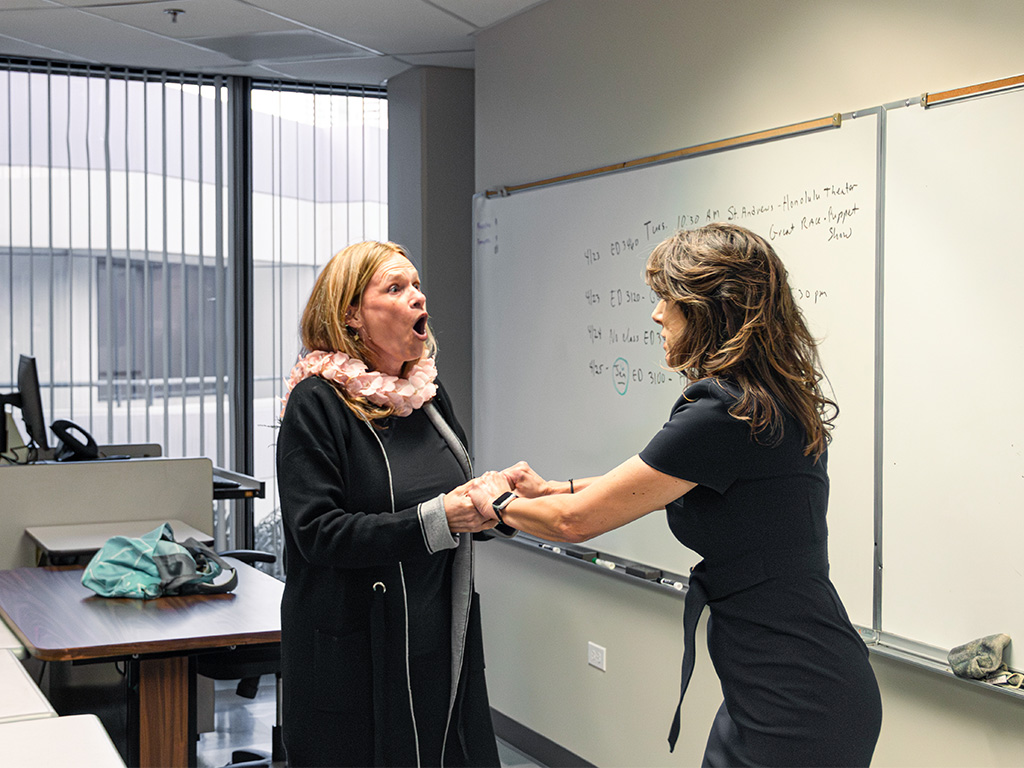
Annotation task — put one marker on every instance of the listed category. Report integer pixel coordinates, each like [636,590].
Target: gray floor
[246,724]
[239,723]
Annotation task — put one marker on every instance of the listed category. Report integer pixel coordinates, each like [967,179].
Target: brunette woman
[741,468]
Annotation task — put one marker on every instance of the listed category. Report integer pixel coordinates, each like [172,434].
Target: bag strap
[211,589]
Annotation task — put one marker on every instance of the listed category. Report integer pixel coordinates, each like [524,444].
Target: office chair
[248,664]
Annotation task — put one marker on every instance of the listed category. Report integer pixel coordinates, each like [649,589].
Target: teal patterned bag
[155,565]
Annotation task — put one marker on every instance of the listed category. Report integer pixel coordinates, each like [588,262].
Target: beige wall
[577,84]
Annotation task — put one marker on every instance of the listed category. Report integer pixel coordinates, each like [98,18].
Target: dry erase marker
[606,563]
[674,584]
[548,547]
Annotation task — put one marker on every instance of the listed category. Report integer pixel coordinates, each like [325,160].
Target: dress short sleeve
[702,442]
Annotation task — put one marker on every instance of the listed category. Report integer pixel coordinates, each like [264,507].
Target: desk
[77,739]
[57,619]
[64,544]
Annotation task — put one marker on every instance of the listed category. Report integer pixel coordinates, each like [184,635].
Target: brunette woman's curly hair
[743,326]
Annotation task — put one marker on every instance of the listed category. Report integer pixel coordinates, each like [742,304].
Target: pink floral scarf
[404,395]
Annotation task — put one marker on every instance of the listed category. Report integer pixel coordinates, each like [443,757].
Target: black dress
[797,683]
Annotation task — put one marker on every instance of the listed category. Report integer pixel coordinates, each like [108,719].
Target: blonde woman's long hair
[339,287]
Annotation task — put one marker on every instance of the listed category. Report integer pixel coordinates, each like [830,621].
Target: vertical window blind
[114,251]
[112,205]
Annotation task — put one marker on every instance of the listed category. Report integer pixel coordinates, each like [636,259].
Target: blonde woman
[380,625]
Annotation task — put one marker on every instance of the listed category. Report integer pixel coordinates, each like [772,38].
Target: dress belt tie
[718,581]
[696,599]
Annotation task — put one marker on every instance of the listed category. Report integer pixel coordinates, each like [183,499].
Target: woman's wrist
[553,488]
[565,486]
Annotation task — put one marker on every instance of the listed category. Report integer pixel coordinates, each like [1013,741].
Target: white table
[20,697]
[78,740]
[10,642]
[56,543]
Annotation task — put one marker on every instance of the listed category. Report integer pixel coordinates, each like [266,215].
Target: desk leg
[166,713]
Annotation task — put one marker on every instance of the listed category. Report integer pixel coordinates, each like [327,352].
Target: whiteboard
[953,412]
[568,366]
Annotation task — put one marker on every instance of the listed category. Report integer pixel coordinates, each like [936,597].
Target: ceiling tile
[25,5]
[24,50]
[458,60]
[81,36]
[388,26]
[485,13]
[81,3]
[201,18]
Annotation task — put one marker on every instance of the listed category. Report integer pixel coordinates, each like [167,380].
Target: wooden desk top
[87,538]
[58,619]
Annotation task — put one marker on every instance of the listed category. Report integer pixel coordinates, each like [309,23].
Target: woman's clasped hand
[483,490]
[464,516]
[520,478]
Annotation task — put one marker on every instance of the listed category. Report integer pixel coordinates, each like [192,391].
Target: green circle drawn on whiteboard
[620,375]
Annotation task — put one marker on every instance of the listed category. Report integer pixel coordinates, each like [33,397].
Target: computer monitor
[32,402]
[29,399]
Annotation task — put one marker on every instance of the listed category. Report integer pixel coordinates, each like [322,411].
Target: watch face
[503,499]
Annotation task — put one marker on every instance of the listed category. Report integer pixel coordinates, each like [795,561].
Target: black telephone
[70,447]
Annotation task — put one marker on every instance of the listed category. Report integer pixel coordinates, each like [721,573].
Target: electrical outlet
[595,656]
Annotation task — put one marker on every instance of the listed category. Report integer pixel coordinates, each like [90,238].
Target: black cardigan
[343,614]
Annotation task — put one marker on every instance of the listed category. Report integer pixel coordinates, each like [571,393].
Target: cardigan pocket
[343,672]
